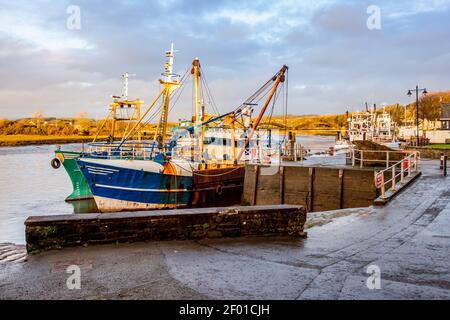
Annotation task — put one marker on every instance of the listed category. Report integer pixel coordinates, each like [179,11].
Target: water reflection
[84,206]
[29,186]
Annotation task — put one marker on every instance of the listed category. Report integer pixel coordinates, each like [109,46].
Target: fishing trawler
[122,110]
[386,131]
[369,126]
[206,156]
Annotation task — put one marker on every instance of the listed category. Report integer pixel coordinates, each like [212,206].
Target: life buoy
[55,163]
[219,189]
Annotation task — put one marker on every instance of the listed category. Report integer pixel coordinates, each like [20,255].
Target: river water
[29,186]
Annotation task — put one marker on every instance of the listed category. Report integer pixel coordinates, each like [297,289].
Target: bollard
[445,166]
[442,161]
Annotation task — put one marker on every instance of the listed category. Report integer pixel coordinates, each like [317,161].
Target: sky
[336,63]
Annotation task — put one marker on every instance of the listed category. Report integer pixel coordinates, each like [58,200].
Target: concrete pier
[408,240]
[314,187]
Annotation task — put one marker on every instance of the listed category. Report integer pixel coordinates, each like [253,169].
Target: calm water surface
[29,186]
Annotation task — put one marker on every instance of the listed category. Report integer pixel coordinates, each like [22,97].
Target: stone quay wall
[54,232]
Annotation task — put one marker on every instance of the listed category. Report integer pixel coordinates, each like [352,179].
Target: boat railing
[128,150]
[226,153]
[257,153]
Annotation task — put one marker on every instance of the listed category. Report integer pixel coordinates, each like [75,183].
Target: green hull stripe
[80,186]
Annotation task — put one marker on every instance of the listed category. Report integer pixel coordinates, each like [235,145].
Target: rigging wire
[157,110]
[208,93]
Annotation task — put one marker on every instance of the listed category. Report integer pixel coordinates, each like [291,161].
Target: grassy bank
[23,140]
[438,146]
[320,132]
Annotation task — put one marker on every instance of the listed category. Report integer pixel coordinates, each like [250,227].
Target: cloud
[413,8]
[335,61]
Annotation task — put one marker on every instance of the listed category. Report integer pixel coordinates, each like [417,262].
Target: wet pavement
[408,241]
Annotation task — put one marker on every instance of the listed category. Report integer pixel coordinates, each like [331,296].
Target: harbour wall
[53,232]
[315,188]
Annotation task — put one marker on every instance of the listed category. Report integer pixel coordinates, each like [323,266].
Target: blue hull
[118,188]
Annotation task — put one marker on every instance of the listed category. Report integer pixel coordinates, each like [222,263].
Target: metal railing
[213,154]
[372,157]
[387,179]
[398,170]
[292,151]
[129,150]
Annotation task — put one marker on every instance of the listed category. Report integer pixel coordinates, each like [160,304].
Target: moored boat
[161,175]
[80,186]
[121,110]
[369,126]
[123,184]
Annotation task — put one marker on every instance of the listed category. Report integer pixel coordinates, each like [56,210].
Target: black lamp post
[424,91]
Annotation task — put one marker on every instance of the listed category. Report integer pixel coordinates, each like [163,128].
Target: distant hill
[429,108]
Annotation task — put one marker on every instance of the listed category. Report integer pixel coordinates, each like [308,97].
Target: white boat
[369,126]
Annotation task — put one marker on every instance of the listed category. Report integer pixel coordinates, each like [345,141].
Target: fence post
[383,188]
[301,153]
[362,158]
[445,166]
[409,165]
[387,159]
[295,152]
[402,170]
[393,177]
[415,161]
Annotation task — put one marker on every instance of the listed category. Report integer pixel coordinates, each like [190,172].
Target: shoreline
[30,140]
[15,141]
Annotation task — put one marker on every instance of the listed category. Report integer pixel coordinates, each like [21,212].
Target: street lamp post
[424,91]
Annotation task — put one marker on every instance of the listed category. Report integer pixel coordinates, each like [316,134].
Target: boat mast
[125,77]
[277,78]
[198,130]
[170,84]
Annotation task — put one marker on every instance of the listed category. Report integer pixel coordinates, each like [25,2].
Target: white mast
[168,66]
[125,84]
[170,82]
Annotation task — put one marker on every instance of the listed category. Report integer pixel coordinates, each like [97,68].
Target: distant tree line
[429,109]
[39,125]
[51,126]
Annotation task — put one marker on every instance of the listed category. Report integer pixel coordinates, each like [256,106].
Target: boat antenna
[125,77]
[171,82]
